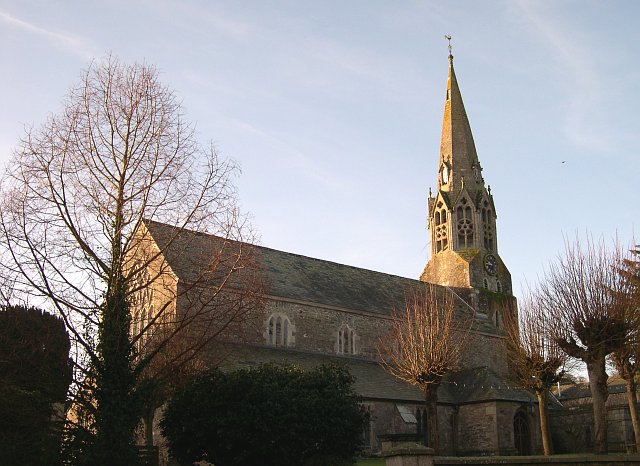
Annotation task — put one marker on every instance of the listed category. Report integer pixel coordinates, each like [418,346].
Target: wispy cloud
[293,158]
[193,16]
[70,42]
[578,71]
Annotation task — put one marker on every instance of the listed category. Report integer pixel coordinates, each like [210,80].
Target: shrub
[270,415]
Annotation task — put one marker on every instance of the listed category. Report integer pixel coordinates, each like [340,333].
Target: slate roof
[374,383]
[293,276]
[582,390]
[482,384]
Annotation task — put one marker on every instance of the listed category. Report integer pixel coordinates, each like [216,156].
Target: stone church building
[319,311]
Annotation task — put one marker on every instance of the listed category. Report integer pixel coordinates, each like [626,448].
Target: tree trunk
[431,401]
[632,399]
[544,423]
[148,427]
[599,394]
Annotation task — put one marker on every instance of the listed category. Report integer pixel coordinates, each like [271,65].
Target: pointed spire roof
[458,157]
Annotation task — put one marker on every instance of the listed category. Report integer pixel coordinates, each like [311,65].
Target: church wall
[572,427]
[477,429]
[447,268]
[447,424]
[486,350]
[315,328]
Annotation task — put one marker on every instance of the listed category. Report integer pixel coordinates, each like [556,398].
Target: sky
[333,110]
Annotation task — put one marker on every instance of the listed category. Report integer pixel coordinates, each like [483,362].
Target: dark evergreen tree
[35,373]
[271,415]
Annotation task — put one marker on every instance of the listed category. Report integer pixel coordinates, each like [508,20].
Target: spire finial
[448,37]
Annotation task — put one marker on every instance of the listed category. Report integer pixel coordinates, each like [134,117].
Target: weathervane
[448,37]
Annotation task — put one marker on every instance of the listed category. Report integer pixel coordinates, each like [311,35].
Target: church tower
[462,215]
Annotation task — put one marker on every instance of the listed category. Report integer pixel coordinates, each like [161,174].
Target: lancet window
[464,216]
[346,340]
[279,330]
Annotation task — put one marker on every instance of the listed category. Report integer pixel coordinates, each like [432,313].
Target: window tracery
[440,231]
[464,216]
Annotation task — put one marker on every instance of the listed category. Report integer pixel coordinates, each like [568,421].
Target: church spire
[458,157]
[462,217]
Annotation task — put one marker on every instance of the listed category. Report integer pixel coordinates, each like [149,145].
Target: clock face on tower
[491,264]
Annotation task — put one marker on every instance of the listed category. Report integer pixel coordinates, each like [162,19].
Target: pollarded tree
[74,203]
[587,300]
[627,358]
[536,360]
[424,344]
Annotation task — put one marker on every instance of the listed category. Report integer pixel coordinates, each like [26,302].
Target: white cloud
[70,42]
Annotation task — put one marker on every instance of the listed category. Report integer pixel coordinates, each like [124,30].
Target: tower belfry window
[464,216]
[440,228]
[488,227]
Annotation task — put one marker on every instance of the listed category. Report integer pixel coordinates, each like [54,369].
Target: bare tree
[424,344]
[536,360]
[627,358]
[72,221]
[585,296]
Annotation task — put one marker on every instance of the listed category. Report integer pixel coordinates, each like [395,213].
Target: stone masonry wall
[315,329]
[477,429]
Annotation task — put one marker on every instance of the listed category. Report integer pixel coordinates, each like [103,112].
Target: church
[317,311]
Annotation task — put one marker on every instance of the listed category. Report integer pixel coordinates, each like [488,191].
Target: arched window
[521,433]
[270,332]
[285,333]
[422,426]
[498,286]
[464,217]
[346,340]
[485,283]
[366,434]
[279,330]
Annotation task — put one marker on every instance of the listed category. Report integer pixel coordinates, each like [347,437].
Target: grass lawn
[371,462]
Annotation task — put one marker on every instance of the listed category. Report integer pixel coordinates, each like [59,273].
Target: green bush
[271,415]
[35,373]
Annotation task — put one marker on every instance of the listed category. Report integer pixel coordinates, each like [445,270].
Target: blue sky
[333,109]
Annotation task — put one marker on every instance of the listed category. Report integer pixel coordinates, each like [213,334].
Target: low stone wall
[558,460]
[416,455]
